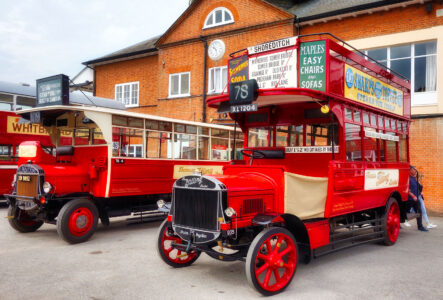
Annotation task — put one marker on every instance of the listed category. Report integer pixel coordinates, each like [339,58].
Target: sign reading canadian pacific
[366,89]
[15,127]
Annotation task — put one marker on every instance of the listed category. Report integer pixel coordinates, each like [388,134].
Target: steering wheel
[252,153]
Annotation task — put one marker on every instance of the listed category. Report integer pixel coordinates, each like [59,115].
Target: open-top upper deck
[317,68]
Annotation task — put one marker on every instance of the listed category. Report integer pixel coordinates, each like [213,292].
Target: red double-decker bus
[108,163]
[326,167]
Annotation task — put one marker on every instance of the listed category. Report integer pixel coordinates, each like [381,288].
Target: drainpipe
[204,77]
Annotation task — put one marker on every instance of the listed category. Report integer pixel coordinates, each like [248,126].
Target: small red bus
[326,167]
[108,163]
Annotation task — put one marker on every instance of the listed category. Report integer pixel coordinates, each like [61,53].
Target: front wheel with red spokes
[391,222]
[170,255]
[272,260]
[77,220]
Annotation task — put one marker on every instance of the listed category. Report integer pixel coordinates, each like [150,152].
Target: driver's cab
[298,136]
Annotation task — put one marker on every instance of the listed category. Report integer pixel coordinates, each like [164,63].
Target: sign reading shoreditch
[272,45]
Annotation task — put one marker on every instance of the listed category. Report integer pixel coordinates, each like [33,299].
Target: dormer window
[217,17]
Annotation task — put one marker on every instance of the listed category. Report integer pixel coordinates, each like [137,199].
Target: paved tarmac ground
[121,262]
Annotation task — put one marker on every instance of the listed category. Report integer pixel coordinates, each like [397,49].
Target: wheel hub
[81,221]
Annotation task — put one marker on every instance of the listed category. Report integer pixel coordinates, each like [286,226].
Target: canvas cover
[305,196]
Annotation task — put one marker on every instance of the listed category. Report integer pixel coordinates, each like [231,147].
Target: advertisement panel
[25,128]
[366,89]
[312,66]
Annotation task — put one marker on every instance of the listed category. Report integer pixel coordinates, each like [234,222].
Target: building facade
[173,74]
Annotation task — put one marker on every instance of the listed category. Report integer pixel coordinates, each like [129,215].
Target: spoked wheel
[21,221]
[169,254]
[77,221]
[391,222]
[272,260]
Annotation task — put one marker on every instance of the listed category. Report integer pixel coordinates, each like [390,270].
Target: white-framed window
[217,17]
[179,84]
[135,150]
[418,63]
[218,78]
[127,93]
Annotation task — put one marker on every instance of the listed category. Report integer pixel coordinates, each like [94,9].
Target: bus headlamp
[47,187]
[230,212]
[161,203]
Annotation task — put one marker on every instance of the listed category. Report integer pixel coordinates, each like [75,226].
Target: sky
[40,38]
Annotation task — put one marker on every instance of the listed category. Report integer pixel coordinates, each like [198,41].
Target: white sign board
[312,149]
[381,178]
[277,69]
[383,136]
[272,45]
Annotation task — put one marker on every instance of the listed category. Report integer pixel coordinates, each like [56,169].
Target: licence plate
[25,178]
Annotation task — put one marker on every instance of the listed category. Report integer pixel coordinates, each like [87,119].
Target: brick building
[171,75]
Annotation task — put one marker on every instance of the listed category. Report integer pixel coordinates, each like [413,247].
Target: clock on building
[216,49]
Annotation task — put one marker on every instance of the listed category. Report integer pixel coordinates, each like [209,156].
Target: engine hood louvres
[252,206]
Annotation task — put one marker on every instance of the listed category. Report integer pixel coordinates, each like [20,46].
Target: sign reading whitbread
[366,89]
[275,69]
[21,128]
[53,90]
[312,66]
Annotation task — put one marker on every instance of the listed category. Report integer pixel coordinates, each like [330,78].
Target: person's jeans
[423,209]
[415,205]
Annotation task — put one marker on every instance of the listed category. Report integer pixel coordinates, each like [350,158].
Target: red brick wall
[246,13]
[144,70]
[380,23]
[426,152]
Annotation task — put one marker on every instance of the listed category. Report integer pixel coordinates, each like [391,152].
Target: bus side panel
[97,166]
[132,176]
[7,172]
[346,190]
[308,164]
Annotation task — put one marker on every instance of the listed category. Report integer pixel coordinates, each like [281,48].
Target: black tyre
[77,221]
[391,222]
[173,257]
[272,260]
[21,221]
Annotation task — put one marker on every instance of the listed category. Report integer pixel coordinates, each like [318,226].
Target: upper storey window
[217,17]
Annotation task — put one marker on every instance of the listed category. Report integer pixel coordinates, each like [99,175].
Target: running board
[351,235]
[146,217]
[317,255]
